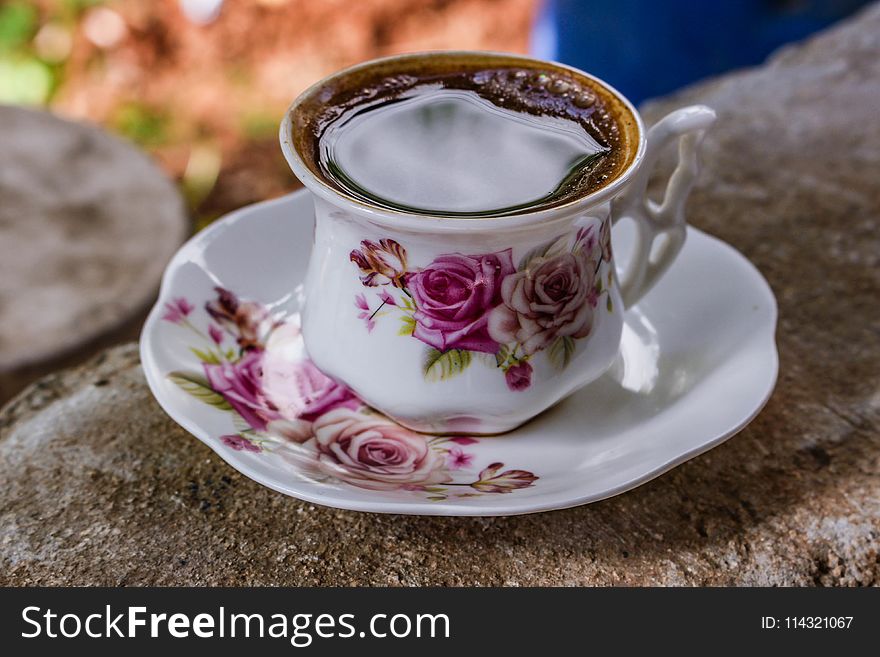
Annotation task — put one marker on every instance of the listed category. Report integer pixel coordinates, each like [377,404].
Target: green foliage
[561,352]
[142,124]
[442,365]
[18,24]
[206,356]
[408,325]
[198,387]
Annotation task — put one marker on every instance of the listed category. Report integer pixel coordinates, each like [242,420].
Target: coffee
[468,141]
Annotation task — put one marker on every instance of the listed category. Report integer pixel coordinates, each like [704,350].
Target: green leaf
[206,356]
[609,305]
[230,354]
[439,366]
[18,22]
[408,325]
[561,352]
[199,388]
[502,354]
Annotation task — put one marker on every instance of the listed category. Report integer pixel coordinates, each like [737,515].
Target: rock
[88,223]
[102,488]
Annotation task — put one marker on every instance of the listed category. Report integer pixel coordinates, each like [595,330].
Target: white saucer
[697,362]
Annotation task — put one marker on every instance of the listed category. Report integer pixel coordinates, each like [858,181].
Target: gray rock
[102,488]
[87,223]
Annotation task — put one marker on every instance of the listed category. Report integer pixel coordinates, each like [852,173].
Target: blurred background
[200,85]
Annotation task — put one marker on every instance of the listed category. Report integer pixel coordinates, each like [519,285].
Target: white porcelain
[696,362]
[377,318]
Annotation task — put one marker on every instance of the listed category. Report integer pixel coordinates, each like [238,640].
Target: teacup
[536,307]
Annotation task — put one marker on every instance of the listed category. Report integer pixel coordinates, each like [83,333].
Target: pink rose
[294,384]
[519,376]
[301,393]
[279,390]
[551,297]
[372,452]
[453,296]
[241,385]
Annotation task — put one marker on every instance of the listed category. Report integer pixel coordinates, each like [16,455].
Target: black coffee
[477,143]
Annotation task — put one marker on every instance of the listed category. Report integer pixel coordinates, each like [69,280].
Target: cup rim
[429,222]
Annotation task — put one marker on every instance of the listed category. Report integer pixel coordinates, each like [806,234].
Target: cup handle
[652,219]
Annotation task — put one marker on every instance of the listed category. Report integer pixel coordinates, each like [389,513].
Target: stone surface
[102,488]
[87,224]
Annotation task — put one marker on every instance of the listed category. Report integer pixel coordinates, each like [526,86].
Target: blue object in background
[649,48]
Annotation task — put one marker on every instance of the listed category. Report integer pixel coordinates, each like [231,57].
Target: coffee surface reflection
[485,143]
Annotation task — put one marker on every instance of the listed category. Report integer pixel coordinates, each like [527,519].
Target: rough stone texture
[102,488]
[87,224]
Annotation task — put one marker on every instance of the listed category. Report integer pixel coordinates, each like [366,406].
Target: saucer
[223,355]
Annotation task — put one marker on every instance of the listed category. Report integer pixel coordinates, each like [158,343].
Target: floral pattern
[460,305]
[283,406]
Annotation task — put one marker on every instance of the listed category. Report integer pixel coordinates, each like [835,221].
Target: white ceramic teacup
[540,312]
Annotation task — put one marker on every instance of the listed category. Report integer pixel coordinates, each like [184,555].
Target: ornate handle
[667,218]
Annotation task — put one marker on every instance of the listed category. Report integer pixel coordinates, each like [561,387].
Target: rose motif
[453,296]
[240,383]
[493,481]
[277,390]
[519,376]
[215,334]
[247,321]
[551,297]
[327,432]
[177,310]
[380,263]
[585,238]
[371,452]
[239,443]
[294,385]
